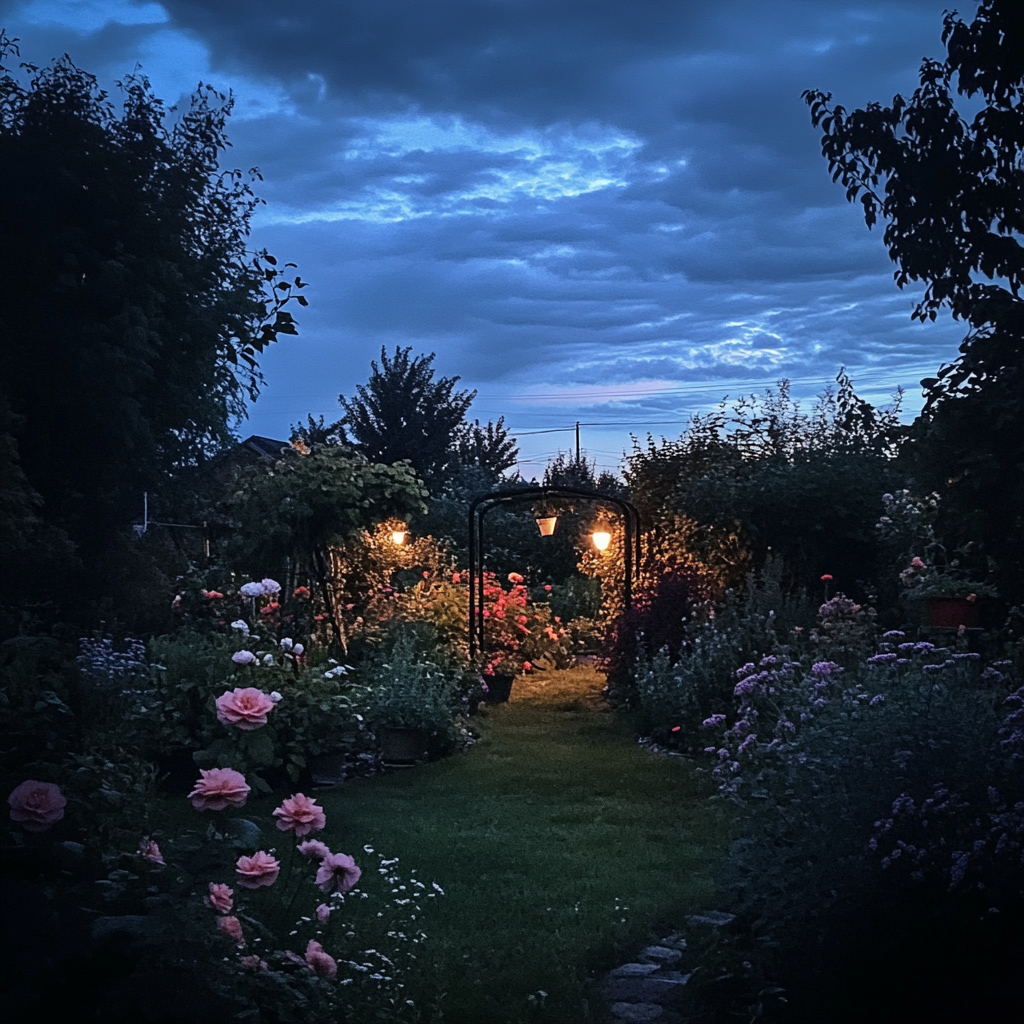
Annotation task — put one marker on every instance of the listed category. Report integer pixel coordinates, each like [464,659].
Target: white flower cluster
[263,588]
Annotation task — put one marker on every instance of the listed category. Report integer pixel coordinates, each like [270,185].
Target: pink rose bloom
[254,963]
[323,912]
[323,964]
[337,871]
[218,788]
[232,928]
[220,898]
[258,870]
[313,849]
[37,805]
[301,813]
[245,707]
[148,850]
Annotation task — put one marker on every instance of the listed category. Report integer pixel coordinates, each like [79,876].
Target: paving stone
[661,987]
[662,954]
[638,1011]
[633,970]
[717,918]
[674,941]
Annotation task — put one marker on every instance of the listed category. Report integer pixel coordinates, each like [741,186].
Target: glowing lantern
[546,525]
[398,536]
[601,539]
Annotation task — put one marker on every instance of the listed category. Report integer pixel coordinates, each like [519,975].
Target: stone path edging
[650,988]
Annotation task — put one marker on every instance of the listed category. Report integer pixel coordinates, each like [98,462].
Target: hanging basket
[952,612]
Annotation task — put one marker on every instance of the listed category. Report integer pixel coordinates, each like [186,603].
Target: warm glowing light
[398,536]
[601,539]
[546,525]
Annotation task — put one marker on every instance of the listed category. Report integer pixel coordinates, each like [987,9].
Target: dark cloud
[553,195]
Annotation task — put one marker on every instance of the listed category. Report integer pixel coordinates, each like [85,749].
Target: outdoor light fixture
[398,536]
[546,525]
[601,539]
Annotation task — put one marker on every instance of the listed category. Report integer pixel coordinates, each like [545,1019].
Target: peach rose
[220,898]
[245,708]
[337,871]
[232,928]
[323,964]
[301,813]
[258,870]
[218,788]
[37,805]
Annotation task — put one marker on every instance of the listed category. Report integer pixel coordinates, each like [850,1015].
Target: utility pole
[577,442]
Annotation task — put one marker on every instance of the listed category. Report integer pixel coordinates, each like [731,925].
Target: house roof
[266,447]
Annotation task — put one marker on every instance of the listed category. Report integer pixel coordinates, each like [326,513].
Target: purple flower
[251,590]
[270,586]
[923,645]
[713,721]
[967,656]
[824,669]
[243,658]
[880,659]
[893,634]
[879,698]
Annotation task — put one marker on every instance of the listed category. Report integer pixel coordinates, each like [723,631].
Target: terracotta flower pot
[952,612]
[400,745]
[499,688]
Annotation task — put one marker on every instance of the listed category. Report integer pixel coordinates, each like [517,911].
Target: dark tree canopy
[134,314]
[402,412]
[951,191]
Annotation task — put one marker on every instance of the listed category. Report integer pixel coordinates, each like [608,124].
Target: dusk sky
[612,211]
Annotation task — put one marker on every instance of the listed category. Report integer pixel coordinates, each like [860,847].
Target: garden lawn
[562,845]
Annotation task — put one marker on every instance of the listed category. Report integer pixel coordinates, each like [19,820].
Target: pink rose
[301,813]
[220,898]
[323,964]
[337,871]
[218,788]
[245,707]
[313,849]
[258,870]
[254,963]
[37,805]
[148,850]
[232,928]
[323,912]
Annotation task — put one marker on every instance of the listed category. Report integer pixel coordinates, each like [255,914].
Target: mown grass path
[561,844]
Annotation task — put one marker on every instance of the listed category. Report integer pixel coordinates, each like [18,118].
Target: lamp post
[478,509]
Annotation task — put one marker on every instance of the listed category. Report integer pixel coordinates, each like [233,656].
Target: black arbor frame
[482,505]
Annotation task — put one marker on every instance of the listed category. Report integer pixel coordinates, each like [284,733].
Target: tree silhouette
[402,412]
[134,314]
[953,203]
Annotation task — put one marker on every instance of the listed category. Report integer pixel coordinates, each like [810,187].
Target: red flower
[301,592]
[270,609]
[826,578]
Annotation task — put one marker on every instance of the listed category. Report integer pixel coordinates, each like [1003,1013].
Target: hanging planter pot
[952,612]
[403,746]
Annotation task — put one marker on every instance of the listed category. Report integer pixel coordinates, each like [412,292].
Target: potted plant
[413,704]
[949,594]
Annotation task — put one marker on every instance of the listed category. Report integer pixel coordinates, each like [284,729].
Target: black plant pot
[400,745]
[499,688]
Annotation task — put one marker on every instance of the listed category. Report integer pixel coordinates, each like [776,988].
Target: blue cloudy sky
[611,211]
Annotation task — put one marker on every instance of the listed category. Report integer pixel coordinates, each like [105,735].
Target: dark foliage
[658,620]
[134,314]
[953,203]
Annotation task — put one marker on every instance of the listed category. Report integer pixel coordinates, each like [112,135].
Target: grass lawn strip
[561,844]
